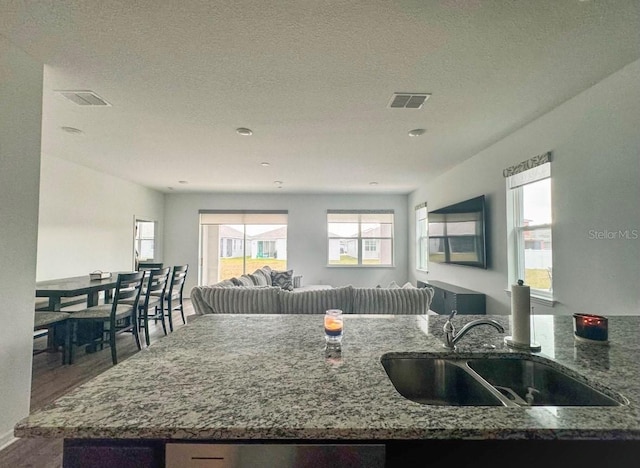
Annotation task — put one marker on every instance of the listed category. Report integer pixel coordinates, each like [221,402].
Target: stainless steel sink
[497,380]
[433,381]
[534,383]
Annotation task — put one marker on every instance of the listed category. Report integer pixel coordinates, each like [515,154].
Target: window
[530,226]
[422,237]
[233,243]
[145,240]
[360,238]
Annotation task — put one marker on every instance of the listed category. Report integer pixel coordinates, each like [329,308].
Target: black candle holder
[591,328]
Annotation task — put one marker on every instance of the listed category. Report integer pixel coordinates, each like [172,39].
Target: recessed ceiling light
[416,132]
[183,181]
[277,182]
[71,130]
[265,164]
[373,183]
[244,131]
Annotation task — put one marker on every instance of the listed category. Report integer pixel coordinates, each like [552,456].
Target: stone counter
[248,377]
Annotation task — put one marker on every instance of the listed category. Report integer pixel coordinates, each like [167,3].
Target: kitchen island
[265,379]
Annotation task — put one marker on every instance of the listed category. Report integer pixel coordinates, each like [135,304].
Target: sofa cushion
[227,283]
[284,279]
[396,301]
[245,280]
[261,278]
[239,300]
[317,301]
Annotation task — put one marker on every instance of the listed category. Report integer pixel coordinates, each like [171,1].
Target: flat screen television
[457,234]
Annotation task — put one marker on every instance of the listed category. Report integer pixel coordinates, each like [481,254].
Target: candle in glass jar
[333,323]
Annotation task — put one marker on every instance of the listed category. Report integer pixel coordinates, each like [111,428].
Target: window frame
[361,240]
[139,239]
[422,237]
[517,228]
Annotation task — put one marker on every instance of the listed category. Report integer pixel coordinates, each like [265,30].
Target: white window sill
[536,299]
[360,266]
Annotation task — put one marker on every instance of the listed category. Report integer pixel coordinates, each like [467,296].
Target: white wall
[20,122]
[87,220]
[595,142]
[306,233]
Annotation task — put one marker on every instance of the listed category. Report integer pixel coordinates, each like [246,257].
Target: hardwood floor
[50,380]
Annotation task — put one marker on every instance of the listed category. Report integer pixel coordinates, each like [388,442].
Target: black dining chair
[151,305]
[120,316]
[173,297]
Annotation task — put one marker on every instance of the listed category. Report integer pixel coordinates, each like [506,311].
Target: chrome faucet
[451,337]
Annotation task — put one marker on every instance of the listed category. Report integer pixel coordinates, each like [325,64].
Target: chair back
[156,285]
[177,280]
[128,286]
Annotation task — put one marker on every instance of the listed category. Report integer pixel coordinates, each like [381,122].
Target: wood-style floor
[51,380]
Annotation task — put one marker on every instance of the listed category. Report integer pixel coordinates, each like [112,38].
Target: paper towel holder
[520,345]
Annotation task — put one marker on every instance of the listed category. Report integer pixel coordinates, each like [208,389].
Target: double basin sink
[509,380]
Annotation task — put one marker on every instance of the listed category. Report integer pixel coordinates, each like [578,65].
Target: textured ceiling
[312,79]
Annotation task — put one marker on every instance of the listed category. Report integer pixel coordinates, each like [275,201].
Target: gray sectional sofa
[231,297]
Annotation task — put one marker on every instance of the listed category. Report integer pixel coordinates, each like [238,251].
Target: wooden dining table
[75,286]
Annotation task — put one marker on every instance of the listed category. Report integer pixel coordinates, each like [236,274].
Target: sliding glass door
[233,243]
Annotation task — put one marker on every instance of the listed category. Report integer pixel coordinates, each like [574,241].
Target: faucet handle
[448,328]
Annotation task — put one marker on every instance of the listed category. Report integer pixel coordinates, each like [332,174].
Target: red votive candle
[591,327]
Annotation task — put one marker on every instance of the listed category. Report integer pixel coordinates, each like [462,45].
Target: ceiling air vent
[408,100]
[84,98]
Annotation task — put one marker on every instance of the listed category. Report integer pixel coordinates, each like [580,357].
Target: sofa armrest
[200,297]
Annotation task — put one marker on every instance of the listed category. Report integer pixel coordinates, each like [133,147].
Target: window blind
[363,216]
[243,217]
[531,170]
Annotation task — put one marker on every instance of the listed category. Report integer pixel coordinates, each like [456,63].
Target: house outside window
[360,237]
[530,230]
[233,243]
[422,237]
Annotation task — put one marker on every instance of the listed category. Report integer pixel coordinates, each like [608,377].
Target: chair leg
[136,332]
[182,311]
[160,316]
[112,344]
[71,330]
[50,338]
[170,313]
[146,327]
[64,329]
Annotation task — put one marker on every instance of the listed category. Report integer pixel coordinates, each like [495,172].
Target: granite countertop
[233,377]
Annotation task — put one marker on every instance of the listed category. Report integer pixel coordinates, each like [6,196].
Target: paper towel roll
[521,314]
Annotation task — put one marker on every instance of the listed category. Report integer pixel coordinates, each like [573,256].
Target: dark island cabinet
[448,297]
[352,454]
